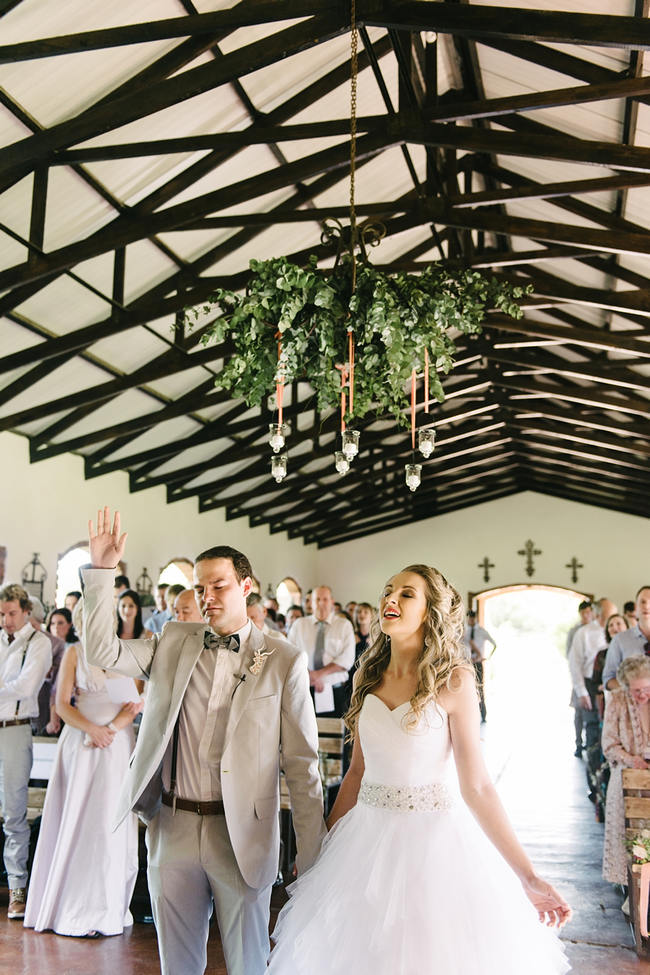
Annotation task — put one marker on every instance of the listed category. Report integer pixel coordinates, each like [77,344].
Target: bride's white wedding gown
[407,883]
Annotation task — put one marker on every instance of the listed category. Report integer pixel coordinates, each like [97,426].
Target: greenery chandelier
[360,336]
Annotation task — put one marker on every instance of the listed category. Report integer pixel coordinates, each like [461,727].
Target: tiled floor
[544,790]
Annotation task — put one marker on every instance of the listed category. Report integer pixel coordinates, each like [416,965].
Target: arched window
[178,571]
[67,570]
[288,593]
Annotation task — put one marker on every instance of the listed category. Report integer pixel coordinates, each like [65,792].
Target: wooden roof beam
[589,337]
[240,15]
[494,22]
[456,110]
[20,157]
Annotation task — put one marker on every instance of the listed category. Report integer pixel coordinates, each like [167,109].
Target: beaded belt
[434,797]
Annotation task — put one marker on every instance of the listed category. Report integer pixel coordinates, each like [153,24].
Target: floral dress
[623,739]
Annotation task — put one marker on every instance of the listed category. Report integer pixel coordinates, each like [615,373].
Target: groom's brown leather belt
[214,808]
[17,721]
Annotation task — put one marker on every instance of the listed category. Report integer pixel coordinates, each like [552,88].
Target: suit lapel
[246,687]
[190,652]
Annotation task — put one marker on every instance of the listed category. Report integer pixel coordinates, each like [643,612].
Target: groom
[226,707]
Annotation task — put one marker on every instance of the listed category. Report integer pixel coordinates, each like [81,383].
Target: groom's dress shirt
[21,681]
[203,720]
[338,648]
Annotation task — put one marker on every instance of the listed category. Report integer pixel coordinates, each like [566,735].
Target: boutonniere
[259,659]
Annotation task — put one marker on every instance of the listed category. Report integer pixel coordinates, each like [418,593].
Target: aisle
[529,750]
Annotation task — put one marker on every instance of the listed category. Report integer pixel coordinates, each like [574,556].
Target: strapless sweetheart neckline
[390,710]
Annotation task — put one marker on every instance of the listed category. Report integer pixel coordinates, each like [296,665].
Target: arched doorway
[527,682]
[67,570]
[178,571]
[288,594]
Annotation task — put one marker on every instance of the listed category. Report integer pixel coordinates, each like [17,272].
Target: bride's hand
[551,908]
[106,545]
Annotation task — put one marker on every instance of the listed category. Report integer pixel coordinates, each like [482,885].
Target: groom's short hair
[240,563]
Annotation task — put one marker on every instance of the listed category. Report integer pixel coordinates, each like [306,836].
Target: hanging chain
[354,67]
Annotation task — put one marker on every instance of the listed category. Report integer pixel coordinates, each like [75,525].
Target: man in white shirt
[589,640]
[25,658]
[328,640]
[586,613]
[475,639]
[186,608]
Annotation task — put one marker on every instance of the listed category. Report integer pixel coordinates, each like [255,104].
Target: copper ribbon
[351,359]
[279,388]
[413,395]
[426,380]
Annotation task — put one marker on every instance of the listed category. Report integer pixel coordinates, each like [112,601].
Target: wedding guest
[226,707]
[293,613]
[162,613]
[586,644]
[71,599]
[350,608]
[48,720]
[129,617]
[614,625]
[328,640]
[585,613]
[25,658]
[632,642]
[257,613]
[84,872]
[363,616]
[626,744]
[186,608]
[306,602]
[475,639]
[629,612]
[120,585]
[60,625]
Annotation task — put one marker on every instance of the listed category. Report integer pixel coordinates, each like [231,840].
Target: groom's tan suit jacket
[271,725]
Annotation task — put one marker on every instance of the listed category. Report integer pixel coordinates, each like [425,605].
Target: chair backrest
[636,800]
[331,739]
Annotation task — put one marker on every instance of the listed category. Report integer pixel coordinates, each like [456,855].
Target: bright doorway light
[527,680]
[67,572]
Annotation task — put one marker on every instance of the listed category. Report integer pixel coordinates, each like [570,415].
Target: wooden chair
[331,740]
[636,798]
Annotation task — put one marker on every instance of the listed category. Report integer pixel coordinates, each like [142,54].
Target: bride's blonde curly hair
[441,654]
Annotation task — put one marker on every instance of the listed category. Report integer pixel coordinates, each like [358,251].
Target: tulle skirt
[411,893]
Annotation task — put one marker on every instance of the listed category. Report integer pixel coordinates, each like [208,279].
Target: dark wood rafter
[18,159]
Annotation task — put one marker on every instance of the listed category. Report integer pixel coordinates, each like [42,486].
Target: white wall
[45,508]
[613,547]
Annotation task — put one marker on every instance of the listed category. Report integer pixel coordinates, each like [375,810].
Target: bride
[407,882]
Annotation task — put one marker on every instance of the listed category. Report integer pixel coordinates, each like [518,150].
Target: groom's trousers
[191,863]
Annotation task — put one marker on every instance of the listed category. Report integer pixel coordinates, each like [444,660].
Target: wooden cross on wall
[486,565]
[574,565]
[529,551]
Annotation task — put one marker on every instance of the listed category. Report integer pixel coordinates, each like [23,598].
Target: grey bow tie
[213,642]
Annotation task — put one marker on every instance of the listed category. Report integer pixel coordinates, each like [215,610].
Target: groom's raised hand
[106,544]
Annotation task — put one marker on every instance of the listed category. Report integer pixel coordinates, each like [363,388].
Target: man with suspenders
[25,659]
